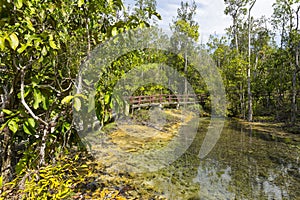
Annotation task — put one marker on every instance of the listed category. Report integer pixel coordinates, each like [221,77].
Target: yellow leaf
[52,44]
[77,104]
[22,48]
[80,3]
[19,4]
[2,43]
[44,51]
[114,31]
[13,41]
[67,99]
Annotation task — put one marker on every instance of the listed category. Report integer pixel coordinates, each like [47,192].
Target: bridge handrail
[160,98]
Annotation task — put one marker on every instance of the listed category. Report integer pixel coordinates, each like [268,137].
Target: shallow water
[242,165]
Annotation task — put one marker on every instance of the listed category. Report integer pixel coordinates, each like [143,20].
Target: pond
[244,164]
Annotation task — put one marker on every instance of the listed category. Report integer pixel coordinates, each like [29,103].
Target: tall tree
[237,10]
[286,16]
[184,26]
[250,111]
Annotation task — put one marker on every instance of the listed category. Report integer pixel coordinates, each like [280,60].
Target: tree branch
[24,102]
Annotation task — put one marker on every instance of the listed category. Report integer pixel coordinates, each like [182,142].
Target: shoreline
[276,130]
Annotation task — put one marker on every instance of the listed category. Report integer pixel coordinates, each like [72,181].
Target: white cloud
[210,14]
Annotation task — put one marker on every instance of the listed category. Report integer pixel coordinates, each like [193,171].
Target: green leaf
[8,112]
[114,31]
[27,129]
[19,4]
[45,102]
[80,3]
[3,126]
[38,98]
[44,51]
[81,95]
[22,48]
[2,43]
[31,121]
[13,41]
[13,126]
[29,24]
[52,44]
[67,99]
[77,104]
[29,126]
[106,99]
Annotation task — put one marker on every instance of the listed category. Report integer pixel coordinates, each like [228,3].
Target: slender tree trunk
[250,111]
[294,87]
[297,68]
[235,33]
[294,94]
[185,73]
[242,104]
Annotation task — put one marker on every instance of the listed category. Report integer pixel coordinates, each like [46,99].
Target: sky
[210,15]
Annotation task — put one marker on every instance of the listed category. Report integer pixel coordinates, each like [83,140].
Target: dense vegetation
[43,44]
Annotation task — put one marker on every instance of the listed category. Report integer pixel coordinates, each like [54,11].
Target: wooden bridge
[162,100]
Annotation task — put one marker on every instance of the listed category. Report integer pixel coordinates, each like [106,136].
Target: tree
[144,9]
[184,26]
[285,12]
[42,46]
[250,111]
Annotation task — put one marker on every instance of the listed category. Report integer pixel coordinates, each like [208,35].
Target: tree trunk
[250,111]
[294,94]
[185,73]
[6,156]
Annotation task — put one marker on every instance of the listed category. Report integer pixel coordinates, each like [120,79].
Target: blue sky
[210,14]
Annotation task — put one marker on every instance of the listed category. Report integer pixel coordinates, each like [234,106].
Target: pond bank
[272,131]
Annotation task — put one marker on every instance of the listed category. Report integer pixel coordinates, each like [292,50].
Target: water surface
[244,164]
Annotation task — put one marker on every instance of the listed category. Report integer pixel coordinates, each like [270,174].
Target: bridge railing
[166,98]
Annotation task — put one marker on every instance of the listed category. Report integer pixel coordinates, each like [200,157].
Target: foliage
[42,46]
[72,177]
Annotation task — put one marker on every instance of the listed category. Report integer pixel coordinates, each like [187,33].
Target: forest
[45,43]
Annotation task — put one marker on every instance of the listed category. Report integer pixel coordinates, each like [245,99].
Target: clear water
[242,165]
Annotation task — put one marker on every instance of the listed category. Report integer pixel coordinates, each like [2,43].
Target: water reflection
[214,183]
[240,166]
